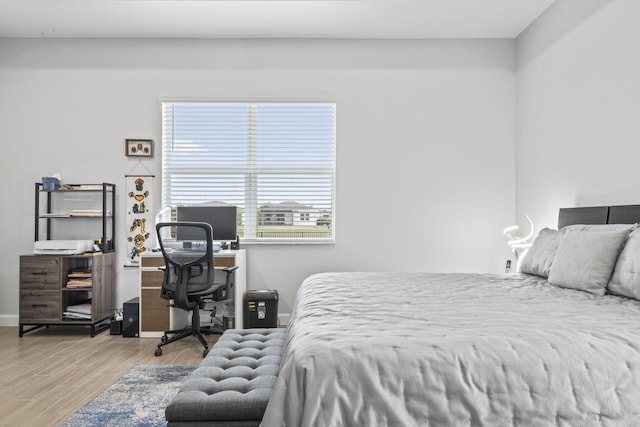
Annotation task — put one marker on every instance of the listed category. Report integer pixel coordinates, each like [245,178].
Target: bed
[421,349]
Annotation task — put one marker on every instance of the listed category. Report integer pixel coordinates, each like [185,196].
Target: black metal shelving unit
[108,208]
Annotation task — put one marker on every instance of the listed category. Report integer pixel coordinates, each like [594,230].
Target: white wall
[578,108]
[425,141]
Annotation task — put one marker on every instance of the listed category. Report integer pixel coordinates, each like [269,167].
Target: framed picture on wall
[139,147]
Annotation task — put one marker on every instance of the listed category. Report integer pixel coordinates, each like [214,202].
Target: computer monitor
[223,220]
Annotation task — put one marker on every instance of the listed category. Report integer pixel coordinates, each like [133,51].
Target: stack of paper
[78,279]
[78,311]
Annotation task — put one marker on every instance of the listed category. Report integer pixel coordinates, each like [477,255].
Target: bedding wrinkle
[456,350]
[471,390]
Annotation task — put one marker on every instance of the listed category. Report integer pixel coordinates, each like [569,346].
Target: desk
[155,315]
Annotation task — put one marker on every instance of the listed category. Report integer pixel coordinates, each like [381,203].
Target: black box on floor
[130,316]
[116,327]
[260,309]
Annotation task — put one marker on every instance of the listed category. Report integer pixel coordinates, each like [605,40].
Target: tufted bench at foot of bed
[233,384]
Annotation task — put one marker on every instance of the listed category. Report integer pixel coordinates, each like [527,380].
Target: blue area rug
[136,399]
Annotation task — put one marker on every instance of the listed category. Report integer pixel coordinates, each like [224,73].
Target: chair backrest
[188,256]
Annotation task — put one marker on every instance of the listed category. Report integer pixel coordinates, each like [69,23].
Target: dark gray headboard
[625,214]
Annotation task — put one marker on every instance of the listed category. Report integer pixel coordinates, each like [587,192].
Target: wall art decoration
[140,227]
[138,147]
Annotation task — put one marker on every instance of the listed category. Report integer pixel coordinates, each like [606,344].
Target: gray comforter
[417,349]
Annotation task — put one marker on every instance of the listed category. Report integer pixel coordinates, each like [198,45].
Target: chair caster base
[158,351]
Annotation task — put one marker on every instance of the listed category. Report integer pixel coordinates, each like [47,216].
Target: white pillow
[585,260]
[539,257]
[626,274]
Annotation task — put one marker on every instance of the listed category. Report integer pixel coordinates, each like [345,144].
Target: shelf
[55,212]
[67,216]
[74,191]
[97,188]
[44,294]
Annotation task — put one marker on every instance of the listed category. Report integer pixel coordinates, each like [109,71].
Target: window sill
[286,242]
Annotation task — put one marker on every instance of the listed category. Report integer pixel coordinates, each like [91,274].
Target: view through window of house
[274,161]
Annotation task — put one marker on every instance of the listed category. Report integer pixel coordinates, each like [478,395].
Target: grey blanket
[417,349]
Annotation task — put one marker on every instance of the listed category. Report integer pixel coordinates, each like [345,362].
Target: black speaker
[130,318]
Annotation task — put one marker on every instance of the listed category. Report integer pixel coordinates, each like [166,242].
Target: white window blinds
[275,161]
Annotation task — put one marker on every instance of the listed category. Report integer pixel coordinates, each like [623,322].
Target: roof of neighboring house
[288,205]
[215,203]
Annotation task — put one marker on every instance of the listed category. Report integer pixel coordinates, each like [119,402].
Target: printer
[62,247]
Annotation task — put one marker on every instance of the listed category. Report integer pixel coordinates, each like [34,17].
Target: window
[275,161]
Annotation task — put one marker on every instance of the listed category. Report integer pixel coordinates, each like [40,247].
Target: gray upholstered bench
[233,384]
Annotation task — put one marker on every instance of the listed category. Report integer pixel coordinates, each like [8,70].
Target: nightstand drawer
[39,305]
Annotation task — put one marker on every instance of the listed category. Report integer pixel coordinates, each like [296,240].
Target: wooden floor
[50,373]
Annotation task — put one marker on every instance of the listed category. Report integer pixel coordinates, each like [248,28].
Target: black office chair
[189,276]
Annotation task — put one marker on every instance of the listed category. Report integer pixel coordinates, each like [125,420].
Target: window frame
[251,177]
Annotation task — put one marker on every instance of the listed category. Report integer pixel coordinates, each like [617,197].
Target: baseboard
[9,320]
[13,320]
[283,319]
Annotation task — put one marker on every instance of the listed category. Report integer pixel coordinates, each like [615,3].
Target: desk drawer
[152,278]
[219,260]
[39,305]
[39,273]
[154,316]
[152,261]
[223,261]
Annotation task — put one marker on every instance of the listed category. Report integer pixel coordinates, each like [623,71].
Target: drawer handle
[40,273]
[39,305]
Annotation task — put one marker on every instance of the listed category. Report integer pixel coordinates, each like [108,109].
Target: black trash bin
[260,309]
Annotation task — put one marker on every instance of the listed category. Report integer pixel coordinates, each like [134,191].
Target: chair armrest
[228,284]
[230,269]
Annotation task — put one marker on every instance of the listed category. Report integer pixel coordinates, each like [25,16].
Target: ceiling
[377,19]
